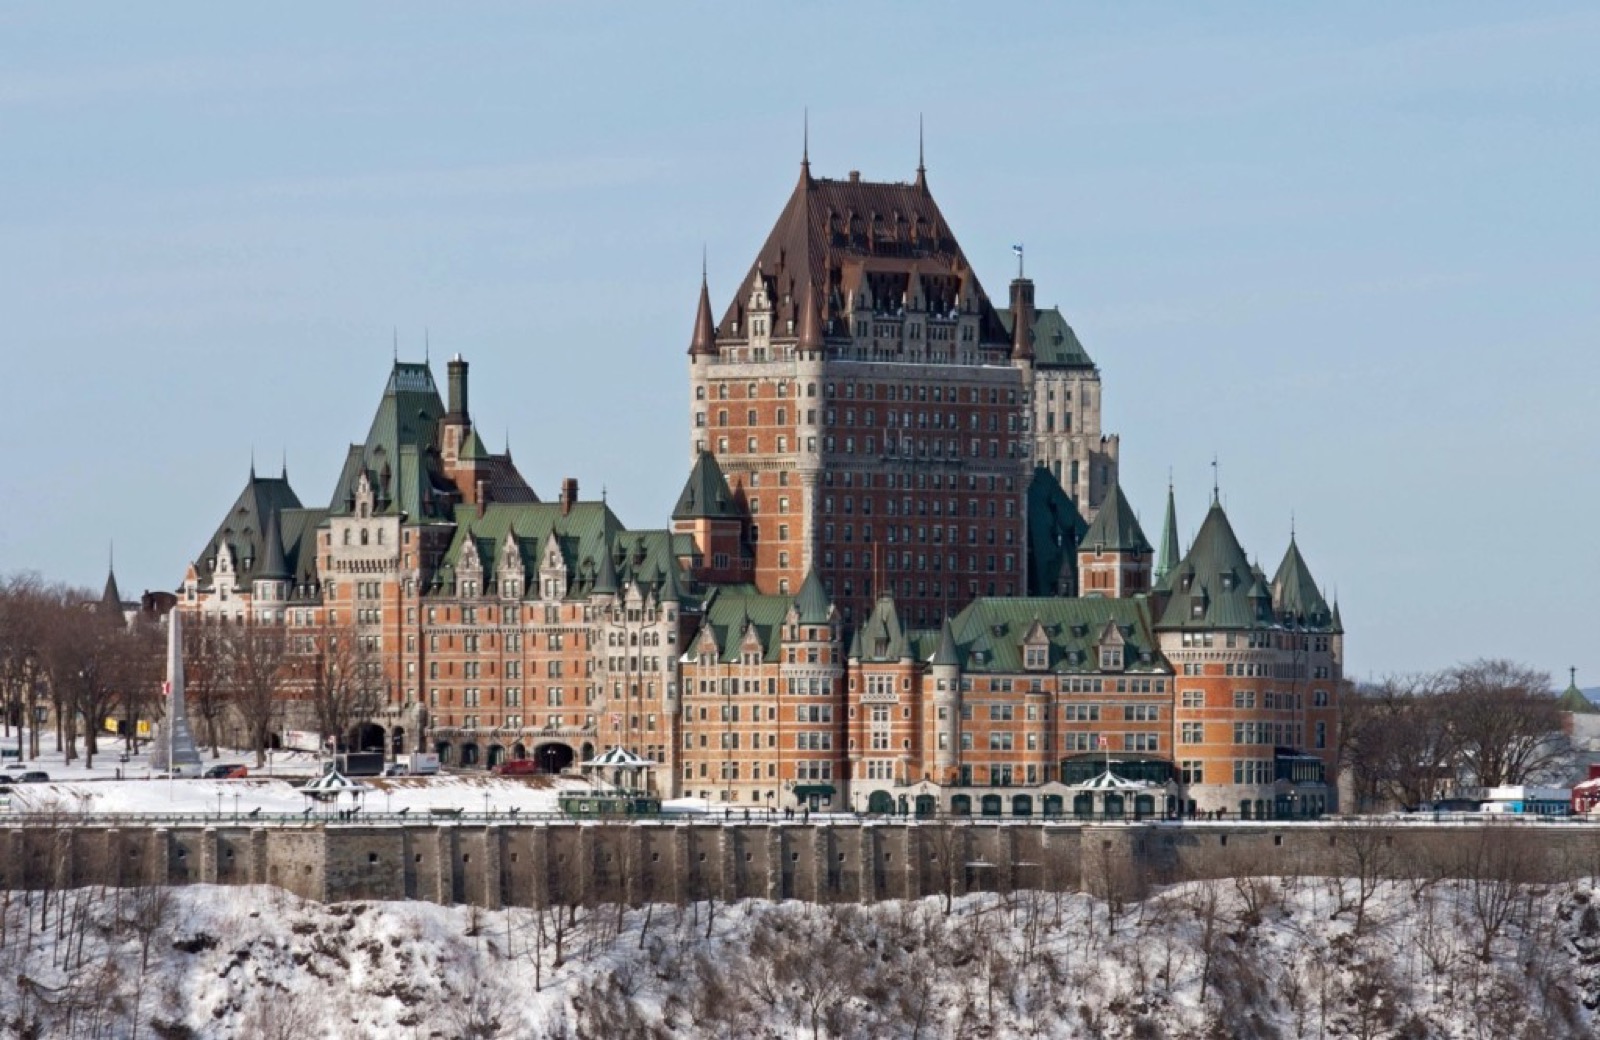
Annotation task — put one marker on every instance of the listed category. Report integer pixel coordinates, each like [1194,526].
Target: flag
[1104,742]
[1017,250]
[616,720]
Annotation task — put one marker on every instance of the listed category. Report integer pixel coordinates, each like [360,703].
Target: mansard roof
[706,494]
[265,501]
[1115,527]
[989,634]
[590,537]
[399,455]
[836,237]
[1055,345]
[731,611]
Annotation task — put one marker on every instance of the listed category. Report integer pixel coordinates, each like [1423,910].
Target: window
[1036,658]
[1191,733]
[1191,771]
[1194,699]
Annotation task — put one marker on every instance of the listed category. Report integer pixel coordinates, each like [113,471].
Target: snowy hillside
[1236,959]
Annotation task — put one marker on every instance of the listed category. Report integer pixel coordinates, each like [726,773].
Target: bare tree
[1399,744]
[205,674]
[93,658]
[341,677]
[24,604]
[257,677]
[1507,722]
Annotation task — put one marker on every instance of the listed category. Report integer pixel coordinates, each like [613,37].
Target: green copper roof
[1055,345]
[590,538]
[243,529]
[813,603]
[1115,527]
[1211,585]
[990,633]
[472,447]
[882,637]
[706,493]
[946,653]
[731,611]
[1169,542]
[1055,530]
[1574,700]
[398,455]
[1295,597]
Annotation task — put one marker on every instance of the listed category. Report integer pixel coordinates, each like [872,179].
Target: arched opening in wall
[518,751]
[588,752]
[927,805]
[397,741]
[469,754]
[497,754]
[1144,806]
[1083,806]
[366,736]
[880,802]
[1022,805]
[445,752]
[1114,806]
[274,742]
[991,805]
[553,758]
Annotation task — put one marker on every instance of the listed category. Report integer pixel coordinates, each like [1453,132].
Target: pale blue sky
[1351,249]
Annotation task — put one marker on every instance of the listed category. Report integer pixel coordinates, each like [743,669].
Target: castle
[900,577]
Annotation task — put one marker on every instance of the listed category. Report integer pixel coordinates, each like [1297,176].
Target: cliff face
[1244,958]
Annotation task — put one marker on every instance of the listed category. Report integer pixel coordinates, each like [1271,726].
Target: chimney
[569,494]
[1022,318]
[458,388]
[855,176]
[482,496]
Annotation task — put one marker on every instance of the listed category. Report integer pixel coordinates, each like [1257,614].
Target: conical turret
[704,340]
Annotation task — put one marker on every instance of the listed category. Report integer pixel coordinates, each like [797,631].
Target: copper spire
[805,150]
[705,327]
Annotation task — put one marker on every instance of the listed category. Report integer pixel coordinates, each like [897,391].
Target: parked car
[398,769]
[518,767]
[32,776]
[226,771]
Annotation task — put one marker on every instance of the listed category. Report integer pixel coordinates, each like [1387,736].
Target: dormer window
[1197,608]
[1110,658]
[1036,658]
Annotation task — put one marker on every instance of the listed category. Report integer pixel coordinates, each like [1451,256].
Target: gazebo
[628,795]
[327,789]
[1108,795]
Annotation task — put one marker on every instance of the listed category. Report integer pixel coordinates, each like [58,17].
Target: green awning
[813,791]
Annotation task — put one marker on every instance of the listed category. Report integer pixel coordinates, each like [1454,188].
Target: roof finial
[1573,673]
[1216,482]
[395,331]
[427,347]
[252,463]
[283,473]
[922,169]
[703,253]
[1291,525]
[805,141]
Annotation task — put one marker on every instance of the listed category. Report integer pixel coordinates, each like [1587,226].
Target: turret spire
[704,340]
[922,169]
[1168,557]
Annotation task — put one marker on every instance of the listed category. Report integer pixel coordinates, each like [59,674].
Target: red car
[226,771]
[518,767]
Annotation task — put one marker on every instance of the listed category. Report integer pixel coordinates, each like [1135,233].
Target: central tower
[868,406]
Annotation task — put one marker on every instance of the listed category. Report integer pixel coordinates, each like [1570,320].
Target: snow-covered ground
[1253,958]
[270,791]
